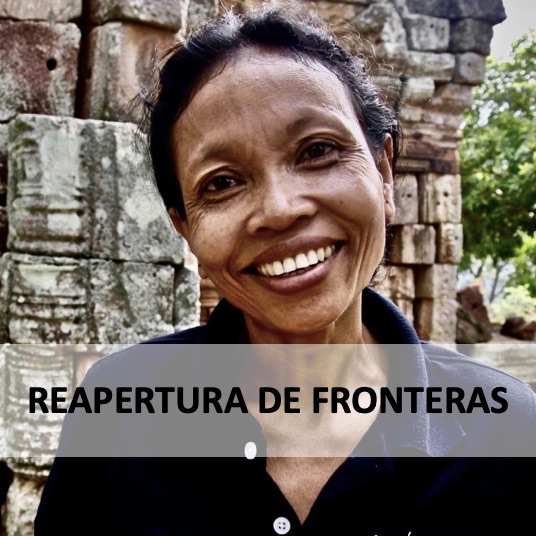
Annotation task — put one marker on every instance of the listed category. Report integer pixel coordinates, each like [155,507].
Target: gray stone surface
[121,57]
[130,302]
[470,35]
[406,199]
[389,88]
[82,189]
[439,66]
[440,198]
[451,98]
[427,33]
[435,8]
[413,244]
[436,281]
[3,160]
[3,229]
[53,10]
[41,74]
[186,307]
[449,243]
[22,502]
[491,11]
[199,11]
[166,13]
[470,68]
[418,91]
[66,300]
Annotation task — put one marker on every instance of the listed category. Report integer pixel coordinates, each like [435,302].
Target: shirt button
[281,525]
[250,450]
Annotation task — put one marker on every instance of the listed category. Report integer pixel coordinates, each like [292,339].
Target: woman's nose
[280,203]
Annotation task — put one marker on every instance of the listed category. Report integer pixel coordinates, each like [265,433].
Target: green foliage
[525,265]
[498,158]
[515,301]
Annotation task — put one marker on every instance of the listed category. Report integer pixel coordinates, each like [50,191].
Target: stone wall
[91,256]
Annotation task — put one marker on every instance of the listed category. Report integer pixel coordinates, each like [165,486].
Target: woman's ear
[385,168]
[180,224]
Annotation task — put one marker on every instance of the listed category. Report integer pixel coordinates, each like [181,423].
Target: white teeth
[312,258]
[278,268]
[300,261]
[289,265]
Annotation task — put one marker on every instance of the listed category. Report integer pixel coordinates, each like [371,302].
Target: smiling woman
[274,156]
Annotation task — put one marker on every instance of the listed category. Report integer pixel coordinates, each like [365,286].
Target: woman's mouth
[297,264]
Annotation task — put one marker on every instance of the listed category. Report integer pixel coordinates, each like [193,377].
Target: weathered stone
[82,189]
[120,63]
[166,13]
[186,307]
[406,306]
[41,74]
[396,283]
[471,300]
[389,88]
[130,301]
[439,66]
[199,12]
[410,114]
[470,35]
[468,329]
[381,23]
[435,320]
[336,14]
[436,281]
[491,11]
[45,299]
[417,91]
[449,243]
[518,328]
[427,33]
[3,161]
[470,68]
[439,198]
[435,8]
[446,120]
[413,244]
[34,365]
[53,10]
[451,98]
[406,200]
[22,502]
[3,229]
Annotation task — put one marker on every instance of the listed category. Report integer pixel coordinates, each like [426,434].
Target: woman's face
[277,177]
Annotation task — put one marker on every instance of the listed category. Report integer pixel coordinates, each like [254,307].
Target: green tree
[498,160]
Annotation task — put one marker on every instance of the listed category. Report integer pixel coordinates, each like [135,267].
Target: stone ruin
[88,254]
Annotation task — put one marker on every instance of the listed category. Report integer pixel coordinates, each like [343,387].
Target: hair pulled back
[288,29]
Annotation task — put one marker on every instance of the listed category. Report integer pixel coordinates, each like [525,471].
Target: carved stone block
[413,244]
[491,11]
[3,160]
[186,307]
[396,283]
[449,243]
[436,281]
[389,88]
[41,74]
[470,68]
[82,189]
[120,64]
[165,13]
[53,10]
[470,35]
[418,91]
[427,33]
[435,319]
[451,98]
[130,301]
[439,198]
[410,114]
[439,66]
[436,8]
[406,199]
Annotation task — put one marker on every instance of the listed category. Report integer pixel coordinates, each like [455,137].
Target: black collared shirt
[441,489]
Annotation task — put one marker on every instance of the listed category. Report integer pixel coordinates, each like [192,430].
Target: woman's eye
[317,150]
[220,183]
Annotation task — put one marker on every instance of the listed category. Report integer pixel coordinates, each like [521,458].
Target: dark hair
[288,29]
